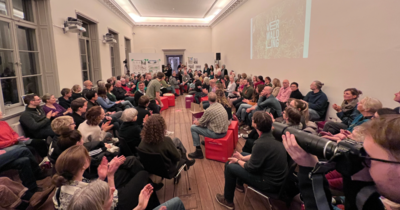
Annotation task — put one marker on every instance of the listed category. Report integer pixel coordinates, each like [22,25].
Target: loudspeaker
[218,56]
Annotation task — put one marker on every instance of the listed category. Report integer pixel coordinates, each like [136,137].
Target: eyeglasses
[367,160]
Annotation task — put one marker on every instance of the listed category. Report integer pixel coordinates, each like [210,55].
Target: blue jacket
[348,117]
[105,103]
[317,101]
[270,102]
[360,119]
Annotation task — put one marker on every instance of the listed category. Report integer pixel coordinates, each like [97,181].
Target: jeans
[173,204]
[313,115]
[183,88]
[131,99]
[237,102]
[127,104]
[241,112]
[21,158]
[196,131]
[234,173]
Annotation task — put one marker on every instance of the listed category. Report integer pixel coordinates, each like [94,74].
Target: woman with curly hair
[155,141]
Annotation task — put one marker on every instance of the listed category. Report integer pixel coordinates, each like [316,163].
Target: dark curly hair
[154,128]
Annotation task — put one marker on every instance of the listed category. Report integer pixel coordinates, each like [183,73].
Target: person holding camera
[375,173]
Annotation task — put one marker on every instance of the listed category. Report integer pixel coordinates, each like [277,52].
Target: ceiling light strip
[113,6]
[130,1]
[210,8]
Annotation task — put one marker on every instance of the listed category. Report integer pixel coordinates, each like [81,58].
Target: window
[127,51]
[20,69]
[114,54]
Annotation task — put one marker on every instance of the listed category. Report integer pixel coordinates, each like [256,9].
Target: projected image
[282,31]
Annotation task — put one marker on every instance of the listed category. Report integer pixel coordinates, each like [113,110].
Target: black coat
[142,112]
[64,103]
[130,132]
[119,93]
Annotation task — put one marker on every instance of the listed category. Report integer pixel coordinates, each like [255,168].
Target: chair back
[323,117]
[153,163]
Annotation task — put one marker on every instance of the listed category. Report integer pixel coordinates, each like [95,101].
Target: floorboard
[206,176]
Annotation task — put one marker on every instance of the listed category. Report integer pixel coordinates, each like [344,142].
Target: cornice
[113,6]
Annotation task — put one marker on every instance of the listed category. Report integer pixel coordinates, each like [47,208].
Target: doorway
[174,60]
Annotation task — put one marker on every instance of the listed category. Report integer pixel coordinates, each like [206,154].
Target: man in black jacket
[121,94]
[65,99]
[264,169]
[295,91]
[79,107]
[381,172]
[142,109]
[34,121]
[140,92]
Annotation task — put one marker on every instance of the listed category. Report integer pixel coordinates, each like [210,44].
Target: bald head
[88,84]
[285,83]
[267,91]
[118,83]
[212,97]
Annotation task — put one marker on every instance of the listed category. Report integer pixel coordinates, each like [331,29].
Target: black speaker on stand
[218,56]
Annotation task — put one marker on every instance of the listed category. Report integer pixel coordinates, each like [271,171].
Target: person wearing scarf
[346,112]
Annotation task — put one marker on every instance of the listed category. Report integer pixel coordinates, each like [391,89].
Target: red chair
[219,149]
[234,127]
[188,101]
[165,102]
[177,91]
[171,99]
[205,98]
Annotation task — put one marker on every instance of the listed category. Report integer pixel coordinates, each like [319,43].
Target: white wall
[67,46]
[352,44]
[155,39]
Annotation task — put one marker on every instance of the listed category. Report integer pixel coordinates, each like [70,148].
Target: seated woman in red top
[51,105]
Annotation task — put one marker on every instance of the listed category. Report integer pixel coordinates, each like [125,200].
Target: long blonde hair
[221,98]
[276,82]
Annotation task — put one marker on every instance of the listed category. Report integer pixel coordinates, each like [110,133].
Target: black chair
[154,164]
[288,190]
[323,117]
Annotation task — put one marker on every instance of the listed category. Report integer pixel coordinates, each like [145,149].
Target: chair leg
[187,177]
[173,194]
[245,195]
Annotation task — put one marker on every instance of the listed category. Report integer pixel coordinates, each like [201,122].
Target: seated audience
[224,102]
[284,93]
[384,111]
[185,80]
[155,141]
[112,97]
[101,83]
[34,121]
[259,81]
[72,164]
[296,94]
[166,87]
[90,129]
[51,105]
[244,76]
[316,100]
[254,81]
[147,79]
[346,112]
[246,93]
[21,159]
[268,81]
[397,99]
[241,111]
[79,107]
[211,76]
[265,101]
[276,87]
[140,92]
[367,107]
[198,89]
[125,85]
[76,92]
[106,104]
[174,82]
[121,94]
[98,195]
[231,87]
[153,92]
[88,85]
[265,168]
[130,129]
[142,109]
[212,124]
[292,117]
[65,99]
[61,126]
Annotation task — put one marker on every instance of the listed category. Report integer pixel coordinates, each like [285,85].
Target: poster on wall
[195,60]
[136,67]
[191,66]
[190,60]
[198,67]
[153,66]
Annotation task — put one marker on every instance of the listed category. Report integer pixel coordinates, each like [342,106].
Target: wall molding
[113,6]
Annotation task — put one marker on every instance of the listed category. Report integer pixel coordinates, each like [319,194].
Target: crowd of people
[96,133]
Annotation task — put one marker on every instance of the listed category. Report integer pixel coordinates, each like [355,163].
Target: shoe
[189,163]
[198,154]
[222,201]
[240,188]
[246,128]
[157,186]
[203,143]
[176,94]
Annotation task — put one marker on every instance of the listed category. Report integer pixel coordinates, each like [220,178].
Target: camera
[344,156]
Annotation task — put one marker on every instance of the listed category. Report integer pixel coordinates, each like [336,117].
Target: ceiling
[176,12]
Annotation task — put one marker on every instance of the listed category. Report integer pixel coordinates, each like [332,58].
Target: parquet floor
[206,176]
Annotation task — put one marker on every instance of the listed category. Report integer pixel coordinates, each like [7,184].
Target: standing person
[35,123]
[284,94]
[346,112]
[169,71]
[213,124]
[65,99]
[206,69]
[224,71]
[264,168]
[317,100]
[153,92]
[296,94]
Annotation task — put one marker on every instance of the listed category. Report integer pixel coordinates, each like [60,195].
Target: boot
[198,154]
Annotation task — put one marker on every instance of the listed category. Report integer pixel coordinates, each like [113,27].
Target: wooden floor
[206,176]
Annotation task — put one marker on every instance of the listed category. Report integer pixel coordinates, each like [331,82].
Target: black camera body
[346,154]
